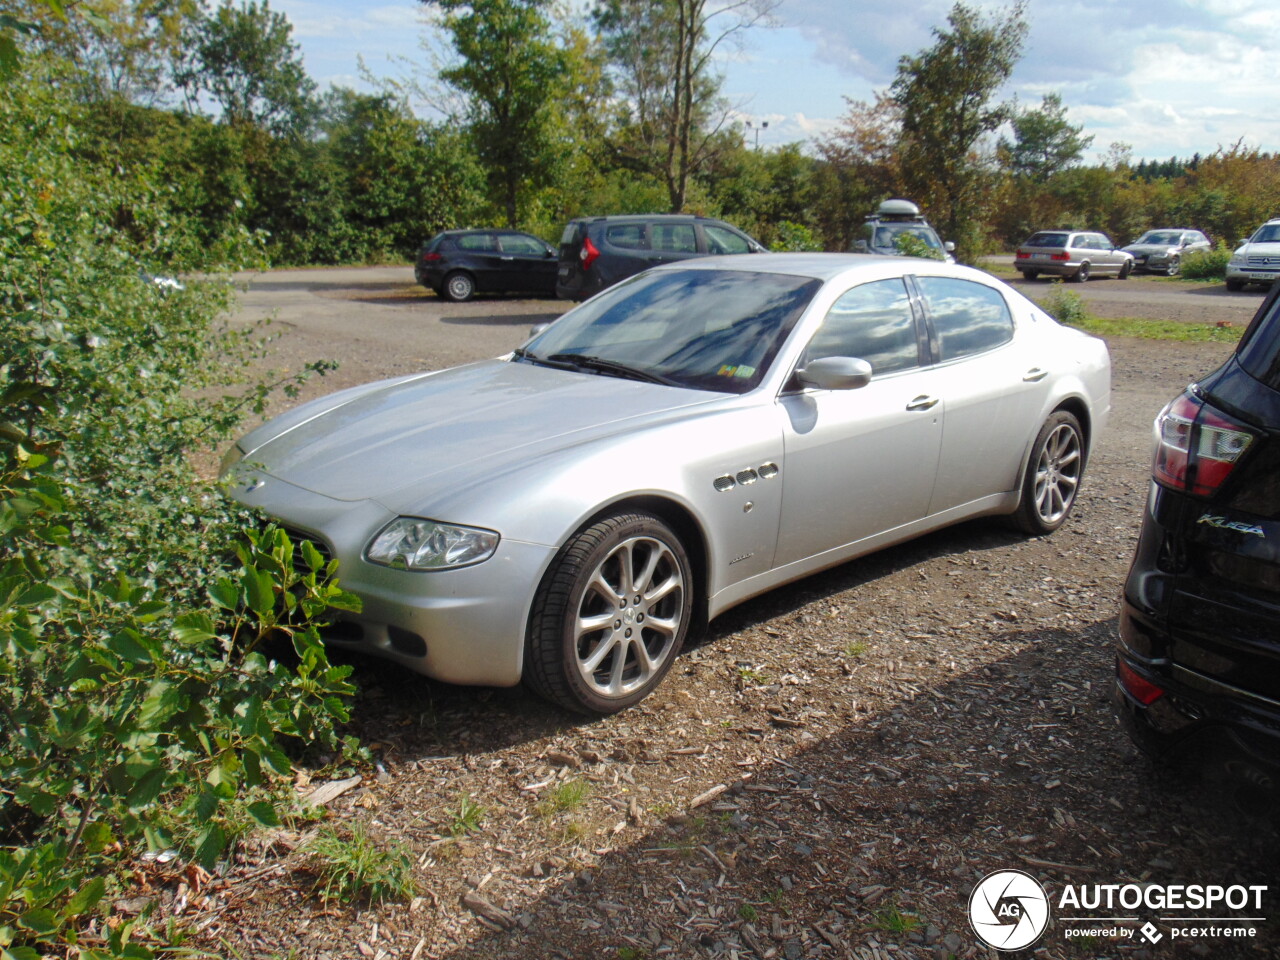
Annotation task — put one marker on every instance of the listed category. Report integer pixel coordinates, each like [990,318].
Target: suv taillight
[1196,446]
[588,253]
[1059,256]
[431,257]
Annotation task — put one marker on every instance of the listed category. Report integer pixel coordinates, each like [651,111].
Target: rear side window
[1047,240]
[969,317]
[477,241]
[519,243]
[720,240]
[1260,353]
[628,236]
[872,322]
[673,238]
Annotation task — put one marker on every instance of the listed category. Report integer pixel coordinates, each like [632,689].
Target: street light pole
[757,127]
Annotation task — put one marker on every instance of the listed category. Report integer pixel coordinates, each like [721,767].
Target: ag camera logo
[1008,909]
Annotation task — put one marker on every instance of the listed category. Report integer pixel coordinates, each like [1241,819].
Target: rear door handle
[922,403]
[1035,375]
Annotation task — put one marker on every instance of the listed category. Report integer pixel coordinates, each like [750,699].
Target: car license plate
[1040,256]
[1263,276]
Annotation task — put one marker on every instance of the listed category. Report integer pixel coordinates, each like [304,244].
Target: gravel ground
[827,773]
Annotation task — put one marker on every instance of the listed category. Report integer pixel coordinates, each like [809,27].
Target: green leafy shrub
[909,245]
[142,702]
[1207,264]
[1065,306]
[790,236]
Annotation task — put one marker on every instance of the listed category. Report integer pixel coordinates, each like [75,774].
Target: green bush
[139,704]
[1065,306]
[1207,264]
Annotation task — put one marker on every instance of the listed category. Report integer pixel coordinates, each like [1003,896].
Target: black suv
[1198,671]
[458,264]
[597,252]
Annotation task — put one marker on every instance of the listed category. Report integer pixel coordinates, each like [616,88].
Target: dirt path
[827,774]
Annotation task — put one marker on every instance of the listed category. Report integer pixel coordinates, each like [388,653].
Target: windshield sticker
[741,370]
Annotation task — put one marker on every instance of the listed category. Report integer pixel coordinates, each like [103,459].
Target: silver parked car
[1074,254]
[1257,259]
[1161,251]
[687,439]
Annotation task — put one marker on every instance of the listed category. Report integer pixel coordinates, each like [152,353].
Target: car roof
[646,218]
[824,266]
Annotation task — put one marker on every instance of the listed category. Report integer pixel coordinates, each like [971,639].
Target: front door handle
[922,403]
[1035,375]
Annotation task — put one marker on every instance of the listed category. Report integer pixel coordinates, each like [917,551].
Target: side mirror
[835,373]
[537,328]
[860,246]
[949,246]
[551,253]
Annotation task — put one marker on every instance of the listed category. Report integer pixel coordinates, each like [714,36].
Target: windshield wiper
[613,367]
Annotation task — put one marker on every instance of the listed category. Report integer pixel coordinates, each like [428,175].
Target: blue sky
[1166,77]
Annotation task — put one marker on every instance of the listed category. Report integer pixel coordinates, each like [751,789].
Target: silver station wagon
[692,437]
[1076,255]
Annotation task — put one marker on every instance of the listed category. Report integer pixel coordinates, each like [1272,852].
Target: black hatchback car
[1198,670]
[597,252]
[458,264]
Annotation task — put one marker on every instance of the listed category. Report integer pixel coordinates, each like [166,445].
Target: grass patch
[855,648]
[564,797]
[351,865]
[895,921]
[465,817]
[1157,329]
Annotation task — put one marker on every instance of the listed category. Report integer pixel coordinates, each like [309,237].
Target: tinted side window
[518,243]
[629,236]
[570,232]
[968,317]
[1047,240]
[477,241]
[1260,353]
[673,237]
[720,240]
[873,322]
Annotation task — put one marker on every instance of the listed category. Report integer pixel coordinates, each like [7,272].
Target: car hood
[459,425]
[1271,249]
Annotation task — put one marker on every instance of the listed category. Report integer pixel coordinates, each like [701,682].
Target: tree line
[545,117]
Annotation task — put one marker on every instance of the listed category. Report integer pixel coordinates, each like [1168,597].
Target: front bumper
[464,626]
[1253,273]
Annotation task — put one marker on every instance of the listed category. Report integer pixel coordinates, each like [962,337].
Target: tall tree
[1043,141]
[244,58]
[945,94]
[662,54]
[511,72]
[862,165]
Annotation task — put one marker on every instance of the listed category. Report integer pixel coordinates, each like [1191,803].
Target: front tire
[459,287]
[611,615]
[1235,286]
[1174,267]
[1054,470]
[1125,269]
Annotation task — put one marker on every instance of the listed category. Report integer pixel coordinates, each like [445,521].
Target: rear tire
[1031,274]
[1052,478]
[611,615]
[1081,274]
[459,287]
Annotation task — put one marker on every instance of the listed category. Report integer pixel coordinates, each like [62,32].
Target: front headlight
[411,543]
[1236,260]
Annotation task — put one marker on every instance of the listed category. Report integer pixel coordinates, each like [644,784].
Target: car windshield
[706,329]
[1047,240]
[887,235]
[1161,237]
[1269,233]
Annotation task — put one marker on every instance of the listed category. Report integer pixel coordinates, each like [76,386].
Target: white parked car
[692,437]
[1256,260]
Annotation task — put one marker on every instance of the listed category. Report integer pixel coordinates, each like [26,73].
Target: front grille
[299,561]
[1273,262]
